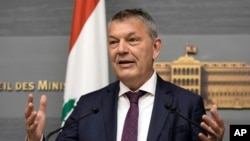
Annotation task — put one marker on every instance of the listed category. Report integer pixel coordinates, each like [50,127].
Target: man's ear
[157,47]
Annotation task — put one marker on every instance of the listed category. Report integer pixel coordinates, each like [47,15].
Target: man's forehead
[128,34]
[127,19]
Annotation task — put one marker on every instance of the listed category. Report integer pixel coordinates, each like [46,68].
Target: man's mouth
[125,62]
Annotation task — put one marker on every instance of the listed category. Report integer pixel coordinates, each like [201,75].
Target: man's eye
[112,42]
[133,40]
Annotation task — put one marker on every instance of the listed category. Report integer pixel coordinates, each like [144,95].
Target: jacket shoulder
[110,88]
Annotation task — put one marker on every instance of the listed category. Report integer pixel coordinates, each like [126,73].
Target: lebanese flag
[87,68]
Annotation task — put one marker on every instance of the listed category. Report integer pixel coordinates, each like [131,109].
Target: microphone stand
[177,112]
[93,111]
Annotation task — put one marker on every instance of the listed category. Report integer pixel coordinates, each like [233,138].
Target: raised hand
[35,120]
[215,124]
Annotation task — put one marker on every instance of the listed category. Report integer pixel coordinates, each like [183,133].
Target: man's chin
[126,77]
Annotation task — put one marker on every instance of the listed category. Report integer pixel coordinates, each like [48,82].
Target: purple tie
[130,128]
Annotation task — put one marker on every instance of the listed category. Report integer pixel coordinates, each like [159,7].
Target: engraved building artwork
[226,84]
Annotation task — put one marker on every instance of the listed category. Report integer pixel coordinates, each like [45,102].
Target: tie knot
[134,96]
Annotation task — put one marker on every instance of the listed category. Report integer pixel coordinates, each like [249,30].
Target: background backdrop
[34,40]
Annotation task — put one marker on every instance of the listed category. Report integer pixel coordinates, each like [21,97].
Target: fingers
[216,116]
[30,99]
[31,123]
[31,116]
[43,104]
[35,120]
[203,137]
[29,107]
[209,123]
[214,124]
[212,135]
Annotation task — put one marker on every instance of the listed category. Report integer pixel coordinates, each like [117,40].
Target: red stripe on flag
[82,11]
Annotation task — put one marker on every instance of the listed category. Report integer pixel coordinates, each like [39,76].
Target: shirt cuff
[42,138]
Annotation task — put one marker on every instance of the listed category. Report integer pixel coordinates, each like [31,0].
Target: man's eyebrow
[110,36]
[131,33]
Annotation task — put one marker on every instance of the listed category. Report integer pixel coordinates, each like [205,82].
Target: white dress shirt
[145,108]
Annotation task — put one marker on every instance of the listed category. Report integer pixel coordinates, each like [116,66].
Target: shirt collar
[148,87]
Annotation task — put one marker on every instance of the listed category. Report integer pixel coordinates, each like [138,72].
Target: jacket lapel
[160,114]
[109,107]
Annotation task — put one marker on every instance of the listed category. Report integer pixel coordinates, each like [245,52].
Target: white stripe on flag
[87,68]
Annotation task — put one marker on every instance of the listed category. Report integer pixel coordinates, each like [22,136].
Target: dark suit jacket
[164,125]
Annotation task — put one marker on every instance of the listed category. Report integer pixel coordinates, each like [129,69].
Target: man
[133,47]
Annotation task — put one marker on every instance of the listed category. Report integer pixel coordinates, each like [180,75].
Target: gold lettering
[18,86]
[5,86]
[42,85]
[25,86]
[31,86]
[57,86]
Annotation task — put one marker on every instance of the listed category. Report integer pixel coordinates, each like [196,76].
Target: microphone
[177,112]
[93,111]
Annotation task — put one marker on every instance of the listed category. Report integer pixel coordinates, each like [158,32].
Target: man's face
[131,49]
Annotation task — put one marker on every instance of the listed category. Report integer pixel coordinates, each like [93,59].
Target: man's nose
[123,47]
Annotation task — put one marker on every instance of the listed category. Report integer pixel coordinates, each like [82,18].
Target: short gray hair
[142,15]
